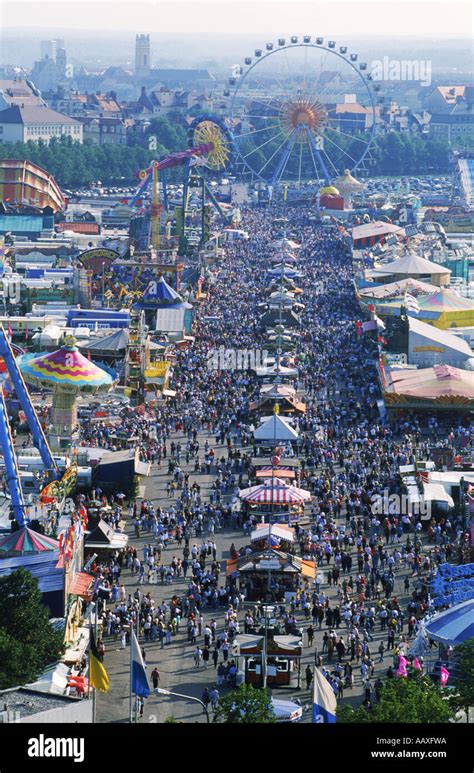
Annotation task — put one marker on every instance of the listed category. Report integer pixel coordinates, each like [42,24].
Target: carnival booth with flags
[270,575]
[79,585]
[274,499]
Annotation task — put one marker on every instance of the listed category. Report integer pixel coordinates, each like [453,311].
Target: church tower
[142,55]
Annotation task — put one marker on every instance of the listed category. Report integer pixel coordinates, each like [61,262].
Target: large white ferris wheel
[303,110]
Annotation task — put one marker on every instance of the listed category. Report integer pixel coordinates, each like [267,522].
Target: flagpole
[94,707]
[90,670]
[130,708]
[138,645]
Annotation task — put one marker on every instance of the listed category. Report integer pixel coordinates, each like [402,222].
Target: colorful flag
[402,666]
[10,331]
[444,676]
[98,676]
[324,700]
[27,332]
[139,680]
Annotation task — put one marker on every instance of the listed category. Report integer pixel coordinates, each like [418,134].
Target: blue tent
[454,625]
[159,294]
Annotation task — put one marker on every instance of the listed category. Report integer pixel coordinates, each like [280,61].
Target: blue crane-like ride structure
[19,507]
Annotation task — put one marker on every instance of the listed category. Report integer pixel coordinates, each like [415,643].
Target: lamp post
[103,284]
[162,691]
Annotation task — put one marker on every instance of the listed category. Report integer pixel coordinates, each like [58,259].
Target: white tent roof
[276,429]
[411,264]
[443,337]
[451,477]
[273,529]
[435,492]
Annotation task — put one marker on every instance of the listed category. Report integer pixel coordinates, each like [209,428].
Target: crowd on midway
[372,570]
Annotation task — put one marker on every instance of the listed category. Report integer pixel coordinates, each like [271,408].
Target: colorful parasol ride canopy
[274,491]
[67,370]
[26,540]
[68,373]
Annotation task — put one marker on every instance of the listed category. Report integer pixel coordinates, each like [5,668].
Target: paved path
[175,661]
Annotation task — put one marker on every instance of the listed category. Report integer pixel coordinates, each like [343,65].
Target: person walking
[310,634]
[197,656]
[205,697]
[309,676]
[155,678]
[381,651]
[214,696]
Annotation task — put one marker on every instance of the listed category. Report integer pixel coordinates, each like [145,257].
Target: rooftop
[29,702]
[34,114]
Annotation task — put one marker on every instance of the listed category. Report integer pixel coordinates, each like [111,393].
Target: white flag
[411,303]
[324,700]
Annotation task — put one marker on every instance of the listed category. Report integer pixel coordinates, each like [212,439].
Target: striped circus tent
[27,541]
[275,492]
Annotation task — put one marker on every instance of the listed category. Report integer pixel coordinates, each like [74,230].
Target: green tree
[463,697]
[414,700]
[168,133]
[246,705]
[28,641]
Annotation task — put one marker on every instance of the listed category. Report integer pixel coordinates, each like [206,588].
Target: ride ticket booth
[280,655]
[269,575]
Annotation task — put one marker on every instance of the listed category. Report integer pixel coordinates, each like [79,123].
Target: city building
[453,125]
[105,130]
[46,74]
[142,55]
[18,91]
[443,98]
[33,122]
[49,48]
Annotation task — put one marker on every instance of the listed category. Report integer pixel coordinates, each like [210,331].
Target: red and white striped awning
[274,491]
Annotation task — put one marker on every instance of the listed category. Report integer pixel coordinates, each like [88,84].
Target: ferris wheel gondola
[305,111]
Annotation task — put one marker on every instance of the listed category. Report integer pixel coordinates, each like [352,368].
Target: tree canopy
[463,694]
[246,705]
[403,700]
[28,642]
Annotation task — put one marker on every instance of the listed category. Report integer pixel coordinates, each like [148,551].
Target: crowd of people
[372,567]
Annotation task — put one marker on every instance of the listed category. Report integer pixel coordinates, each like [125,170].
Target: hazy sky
[344,17]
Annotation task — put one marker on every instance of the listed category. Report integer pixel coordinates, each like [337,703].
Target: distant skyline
[422,18]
